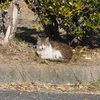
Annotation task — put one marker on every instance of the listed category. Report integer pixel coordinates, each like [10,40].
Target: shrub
[4,4]
[79,18]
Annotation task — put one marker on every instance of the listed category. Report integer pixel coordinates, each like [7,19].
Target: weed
[3,50]
[96,85]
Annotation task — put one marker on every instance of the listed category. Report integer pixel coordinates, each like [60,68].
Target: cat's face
[42,43]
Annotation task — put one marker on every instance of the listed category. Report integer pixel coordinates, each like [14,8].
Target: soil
[22,49]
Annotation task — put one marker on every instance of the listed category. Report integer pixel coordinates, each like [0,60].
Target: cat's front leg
[41,54]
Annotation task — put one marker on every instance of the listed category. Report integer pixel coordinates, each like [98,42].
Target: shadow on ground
[28,35]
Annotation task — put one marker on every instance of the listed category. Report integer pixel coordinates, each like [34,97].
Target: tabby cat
[53,50]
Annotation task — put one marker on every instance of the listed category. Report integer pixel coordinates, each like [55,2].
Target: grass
[95,85]
[3,50]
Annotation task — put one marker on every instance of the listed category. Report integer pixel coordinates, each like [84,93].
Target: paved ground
[15,95]
[48,74]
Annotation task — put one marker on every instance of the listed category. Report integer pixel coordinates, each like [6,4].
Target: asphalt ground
[36,95]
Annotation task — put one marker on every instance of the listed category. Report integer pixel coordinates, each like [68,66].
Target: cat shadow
[27,35]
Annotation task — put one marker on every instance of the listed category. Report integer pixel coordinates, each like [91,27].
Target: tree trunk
[52,30]
[7,36]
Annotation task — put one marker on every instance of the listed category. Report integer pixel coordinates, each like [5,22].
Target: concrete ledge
[47,74]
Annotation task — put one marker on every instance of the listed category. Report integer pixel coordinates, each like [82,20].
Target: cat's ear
[47,39]
[38,38]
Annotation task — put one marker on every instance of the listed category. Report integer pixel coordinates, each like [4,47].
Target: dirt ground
[21,52]
[22,49]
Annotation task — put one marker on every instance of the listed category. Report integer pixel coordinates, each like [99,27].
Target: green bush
[4,4]
[80,18]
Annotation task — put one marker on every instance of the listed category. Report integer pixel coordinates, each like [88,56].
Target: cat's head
[42,43]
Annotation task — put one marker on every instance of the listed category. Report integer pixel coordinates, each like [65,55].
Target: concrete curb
[48,74]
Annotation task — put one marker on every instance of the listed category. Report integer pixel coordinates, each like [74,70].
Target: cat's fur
[53,50]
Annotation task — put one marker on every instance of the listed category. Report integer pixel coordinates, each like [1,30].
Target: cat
[53,50]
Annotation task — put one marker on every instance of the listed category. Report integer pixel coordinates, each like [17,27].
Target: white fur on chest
[49,53]
[45,53]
